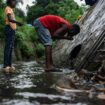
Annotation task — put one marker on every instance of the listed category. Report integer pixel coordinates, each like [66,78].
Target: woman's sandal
[6,70]
[9,70]
[12,69]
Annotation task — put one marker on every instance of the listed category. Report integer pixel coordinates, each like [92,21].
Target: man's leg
[48,54]
[45,37]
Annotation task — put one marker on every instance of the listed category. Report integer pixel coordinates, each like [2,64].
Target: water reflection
[7,90]
[32,86]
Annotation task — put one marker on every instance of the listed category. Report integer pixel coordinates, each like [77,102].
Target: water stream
[30,85]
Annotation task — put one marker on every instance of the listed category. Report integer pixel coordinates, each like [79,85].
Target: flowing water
[32,86]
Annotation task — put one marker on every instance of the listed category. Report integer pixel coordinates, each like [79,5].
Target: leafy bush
[67,9]
[40,50]
[2,22]
[28,43]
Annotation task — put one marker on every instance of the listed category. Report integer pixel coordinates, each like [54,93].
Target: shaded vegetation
[67,9]
[27,45]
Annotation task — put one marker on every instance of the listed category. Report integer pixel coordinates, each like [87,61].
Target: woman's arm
[12,20]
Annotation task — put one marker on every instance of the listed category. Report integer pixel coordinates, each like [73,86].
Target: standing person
[10,34]
[49,27]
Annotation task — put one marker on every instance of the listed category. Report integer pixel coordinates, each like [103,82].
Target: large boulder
[92,23]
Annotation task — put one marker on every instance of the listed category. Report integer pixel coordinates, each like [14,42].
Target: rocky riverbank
[73,53]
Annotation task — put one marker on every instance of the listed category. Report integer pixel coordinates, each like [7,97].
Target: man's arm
[61,33]
[12,20]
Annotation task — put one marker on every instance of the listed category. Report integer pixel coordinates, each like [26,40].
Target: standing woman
[10,35]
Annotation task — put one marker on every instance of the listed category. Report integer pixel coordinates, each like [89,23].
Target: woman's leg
[8,46]
[11,49]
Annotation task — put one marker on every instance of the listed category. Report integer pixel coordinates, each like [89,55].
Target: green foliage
[43,3]
[19,13]
[46,2]
[51,8]
[67,9]
[42,7]
[28,43]
[2,22]
[23,40]
[71,11]
[39,50]
[26,38]
[35,12]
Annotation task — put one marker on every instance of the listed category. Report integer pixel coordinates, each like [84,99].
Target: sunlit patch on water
[30,85]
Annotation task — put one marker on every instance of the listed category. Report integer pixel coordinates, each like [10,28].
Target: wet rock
[81,73]
[65,82]
[100,87]
[101,96]
[92,25]
[31,86]
[100,75]
[99,78]
[84,75]
[101,70]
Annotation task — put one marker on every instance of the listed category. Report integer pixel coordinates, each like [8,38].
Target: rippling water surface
[32,86]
